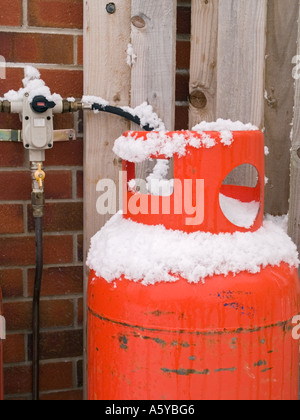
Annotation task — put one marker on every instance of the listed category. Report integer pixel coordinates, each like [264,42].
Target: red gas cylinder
[2,337]
[226,337]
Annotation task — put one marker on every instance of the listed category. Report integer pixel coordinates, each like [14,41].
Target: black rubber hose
[121,113]
[36,307]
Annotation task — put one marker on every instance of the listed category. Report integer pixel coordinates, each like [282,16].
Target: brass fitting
[39,175]
[5,106]
[38,203]
[71,106]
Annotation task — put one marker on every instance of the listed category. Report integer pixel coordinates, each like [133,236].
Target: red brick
[18,379]
[80,248]
[58,281]
[183,55]
[59,344]
[60,217]
[36,48]
[80,312]
[56,13]
[65,82]
[182,87]
[11,283]
[56,376]
[79,184]
[183,20]
[53,313]
[20,251]
[60,122]
[66,153]
[20,185]
[13,348]
[11,154]
[18,315]
[76,395]
[11,13]
[80,50]
[58,185]
[181,118]
[57,313]
[11,218]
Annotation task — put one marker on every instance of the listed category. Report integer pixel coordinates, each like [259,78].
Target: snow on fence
[244,66]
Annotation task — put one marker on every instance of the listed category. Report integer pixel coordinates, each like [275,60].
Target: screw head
[111,8]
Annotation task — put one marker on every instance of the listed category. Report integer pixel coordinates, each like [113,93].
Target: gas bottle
[2,337]
[207,313]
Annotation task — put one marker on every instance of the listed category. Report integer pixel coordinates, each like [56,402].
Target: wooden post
[154,42]
[282,31]
[294,213]
[241,60]
[153,38]
[203,71]
[106,74]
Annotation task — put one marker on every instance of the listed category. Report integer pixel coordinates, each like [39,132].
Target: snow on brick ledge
[151,254]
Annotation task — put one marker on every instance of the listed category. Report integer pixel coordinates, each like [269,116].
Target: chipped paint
[260,363]
[225,370]
[123,340]
[186,372]
[194,332]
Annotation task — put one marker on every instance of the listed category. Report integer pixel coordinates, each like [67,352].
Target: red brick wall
[48,34]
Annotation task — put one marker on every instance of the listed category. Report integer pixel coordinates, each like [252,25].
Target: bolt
[48,118]
[50,146]
[111,8]
[26,118]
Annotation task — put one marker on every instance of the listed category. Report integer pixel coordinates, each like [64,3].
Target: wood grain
[282,31]
[203,68]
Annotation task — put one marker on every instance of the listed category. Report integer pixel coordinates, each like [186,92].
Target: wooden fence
[243,67]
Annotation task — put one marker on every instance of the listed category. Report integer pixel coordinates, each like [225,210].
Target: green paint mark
[225,370]
[260,363]
[266,370]
[192,358]
[123,342]
[186,372]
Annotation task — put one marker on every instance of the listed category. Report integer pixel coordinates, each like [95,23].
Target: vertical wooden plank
[241,60]
[154,43]
[153,38]
[106,74]
[294,213]
[203,68]
[282,31]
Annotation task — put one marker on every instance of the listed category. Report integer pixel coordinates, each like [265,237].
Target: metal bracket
[16,135]
[10,135]
[2,328]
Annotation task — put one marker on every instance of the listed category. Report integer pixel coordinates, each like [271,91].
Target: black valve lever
[40,104]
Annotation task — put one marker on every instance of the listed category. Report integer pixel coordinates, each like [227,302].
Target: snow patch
[34,86]
[224,125]
[138,150]
[131,56]
[151,254]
